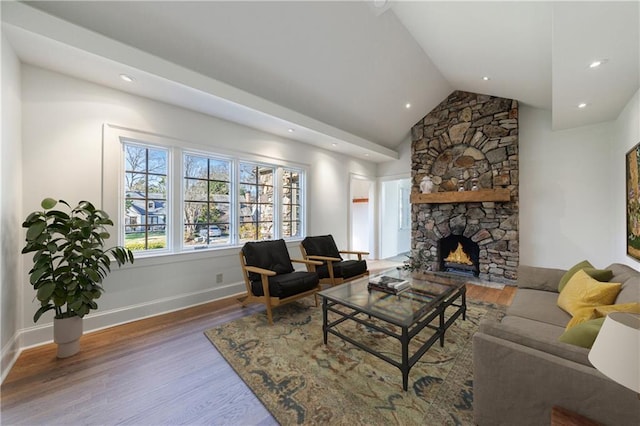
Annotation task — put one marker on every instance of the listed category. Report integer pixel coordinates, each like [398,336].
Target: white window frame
[303,201]
[113,199]
[232,198]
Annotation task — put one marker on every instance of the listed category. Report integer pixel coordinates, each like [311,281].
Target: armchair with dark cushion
[334,269]
[270,277]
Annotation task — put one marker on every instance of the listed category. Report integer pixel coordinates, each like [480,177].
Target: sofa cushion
[344,269]
[582,291]
[271,255]
[584,334]
[286,285]
[539,306]
[539,278]
[570,273]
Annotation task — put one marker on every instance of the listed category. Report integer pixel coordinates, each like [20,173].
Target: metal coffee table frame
[408,332]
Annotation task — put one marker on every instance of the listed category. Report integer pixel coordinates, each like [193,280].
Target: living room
[571,180]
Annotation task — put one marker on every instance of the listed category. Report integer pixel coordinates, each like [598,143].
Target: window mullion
[277,202]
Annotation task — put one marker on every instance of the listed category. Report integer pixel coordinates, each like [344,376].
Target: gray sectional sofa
[521,370]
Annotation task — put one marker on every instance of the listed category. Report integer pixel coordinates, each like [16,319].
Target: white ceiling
[341,72]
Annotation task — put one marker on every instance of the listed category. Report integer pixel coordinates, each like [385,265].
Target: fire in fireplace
[459,254]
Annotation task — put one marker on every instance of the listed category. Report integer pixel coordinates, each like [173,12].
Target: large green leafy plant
[69,259]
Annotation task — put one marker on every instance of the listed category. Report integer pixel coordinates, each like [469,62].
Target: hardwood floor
[160,370]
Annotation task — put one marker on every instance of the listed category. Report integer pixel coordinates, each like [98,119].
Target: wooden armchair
[270,278]
[334,269]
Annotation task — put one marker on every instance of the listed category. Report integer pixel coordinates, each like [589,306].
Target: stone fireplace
[468,145]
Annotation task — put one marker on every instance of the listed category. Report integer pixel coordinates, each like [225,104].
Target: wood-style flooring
[160,370]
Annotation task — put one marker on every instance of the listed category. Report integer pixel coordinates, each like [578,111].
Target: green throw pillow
[567,276]
[602,275]
[583,334]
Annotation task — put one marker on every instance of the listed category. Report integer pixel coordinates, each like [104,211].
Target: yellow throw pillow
[582,315]
[587,314]
[633,307]
[582,291]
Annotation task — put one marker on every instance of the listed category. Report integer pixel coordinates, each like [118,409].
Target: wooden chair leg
[243,300]
[269,315]
[330,270]
[267,298]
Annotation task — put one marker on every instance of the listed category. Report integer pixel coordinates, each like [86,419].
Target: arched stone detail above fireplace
[471,138]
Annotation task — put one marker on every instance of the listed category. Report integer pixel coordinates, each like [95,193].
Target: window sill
[163,258]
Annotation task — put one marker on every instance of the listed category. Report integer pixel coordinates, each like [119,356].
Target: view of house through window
[145,193]
[291,203]
[206,206]
[256,202]
[221,201]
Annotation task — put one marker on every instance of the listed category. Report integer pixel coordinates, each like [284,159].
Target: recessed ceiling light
[290,130]
[366,155]
[485,78]
[582,105]
[126,78]
[334,145]
[596,64]
[407,105]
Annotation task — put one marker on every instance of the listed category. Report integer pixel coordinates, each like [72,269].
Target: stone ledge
[483,195]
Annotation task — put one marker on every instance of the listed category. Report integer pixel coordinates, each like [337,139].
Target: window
[206,205]
[291,204]
[174,197]
[256,202]
[145,195]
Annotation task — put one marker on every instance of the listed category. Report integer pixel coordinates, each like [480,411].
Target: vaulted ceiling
[339,74]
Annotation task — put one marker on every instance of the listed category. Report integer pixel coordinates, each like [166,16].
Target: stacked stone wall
[469,139]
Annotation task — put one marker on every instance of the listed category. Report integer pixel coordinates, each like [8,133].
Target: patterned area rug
[302,381]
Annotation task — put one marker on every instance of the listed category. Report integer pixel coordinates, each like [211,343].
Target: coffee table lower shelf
[407,332]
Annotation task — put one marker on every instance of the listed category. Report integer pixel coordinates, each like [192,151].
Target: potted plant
[69,264]
[418,261]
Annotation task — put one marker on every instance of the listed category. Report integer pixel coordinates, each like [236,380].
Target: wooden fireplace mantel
[482,195]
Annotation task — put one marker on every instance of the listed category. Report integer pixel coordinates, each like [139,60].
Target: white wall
[400,168]
[10,202]
[627,135]
[566,192]
[62,124]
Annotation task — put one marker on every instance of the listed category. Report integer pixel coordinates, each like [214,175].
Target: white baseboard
[41,334]
[10,353]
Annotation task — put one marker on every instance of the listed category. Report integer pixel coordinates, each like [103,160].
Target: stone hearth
[469,139]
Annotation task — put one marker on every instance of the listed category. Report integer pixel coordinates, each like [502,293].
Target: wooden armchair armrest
[308,262]
[326,258]
[260,271]
[354,252]
[359,253]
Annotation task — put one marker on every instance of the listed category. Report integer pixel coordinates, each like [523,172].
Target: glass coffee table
[413,310]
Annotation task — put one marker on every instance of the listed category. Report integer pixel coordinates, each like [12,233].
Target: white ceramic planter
[67,333]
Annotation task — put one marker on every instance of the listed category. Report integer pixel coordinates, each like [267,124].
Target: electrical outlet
[218,278]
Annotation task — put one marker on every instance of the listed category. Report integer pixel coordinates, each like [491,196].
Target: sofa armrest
[518,385]
[538,278]
[536,336]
